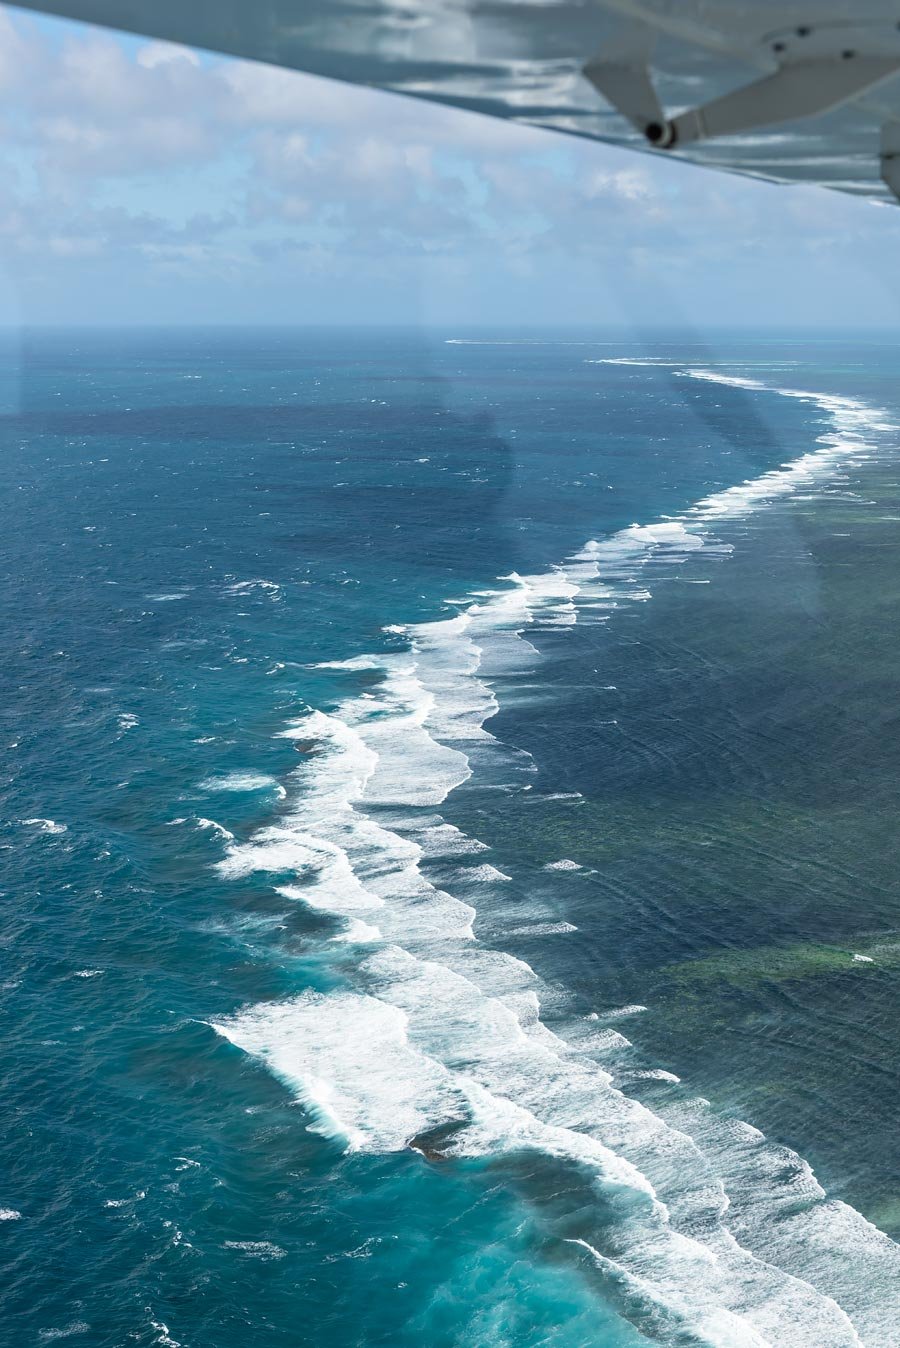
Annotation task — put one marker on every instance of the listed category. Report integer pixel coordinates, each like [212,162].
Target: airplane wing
[802,92]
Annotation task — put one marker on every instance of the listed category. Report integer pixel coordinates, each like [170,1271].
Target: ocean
[449,838]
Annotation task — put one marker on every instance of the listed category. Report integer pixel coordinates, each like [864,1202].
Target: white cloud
[149,157]
[270,96]
[70,245]
[163,53]
[15,56]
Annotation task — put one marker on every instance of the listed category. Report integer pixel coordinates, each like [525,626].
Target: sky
[147,183]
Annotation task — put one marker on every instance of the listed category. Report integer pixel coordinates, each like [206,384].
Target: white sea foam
[348,1058]
[542,929]
[218,829]
[633,360]
[344,860]
[619,570]
[439,1042]
[483,875]
[446,839]
[414,768]
[10,1215]
[164,1338]
[242,587]
[258,1249]
[563,865]
[358,932]
[679,1309]
[602,1041]
[243,781]
[44,825]
[432,1058]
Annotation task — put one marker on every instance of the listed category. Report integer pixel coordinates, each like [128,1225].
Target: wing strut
[622,75]
[800,89]
[797,89]
[890,156]
[629,88]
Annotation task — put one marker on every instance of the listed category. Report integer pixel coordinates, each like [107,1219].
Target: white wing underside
[803,92]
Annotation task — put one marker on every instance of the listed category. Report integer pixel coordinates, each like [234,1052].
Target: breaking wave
[694,1225]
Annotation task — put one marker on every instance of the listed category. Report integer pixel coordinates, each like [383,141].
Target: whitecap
[485,874]
[656,1074]
[542,929]
[244,587]
[218,829]
[443,839]
[243,781]
[165,1339]
[358,932]
[258,1249]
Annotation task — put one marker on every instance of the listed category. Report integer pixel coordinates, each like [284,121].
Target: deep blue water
[375,974]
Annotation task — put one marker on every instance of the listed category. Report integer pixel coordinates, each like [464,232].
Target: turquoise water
[450,840]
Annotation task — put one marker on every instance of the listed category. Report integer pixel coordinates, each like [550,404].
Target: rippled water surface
[449,841]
